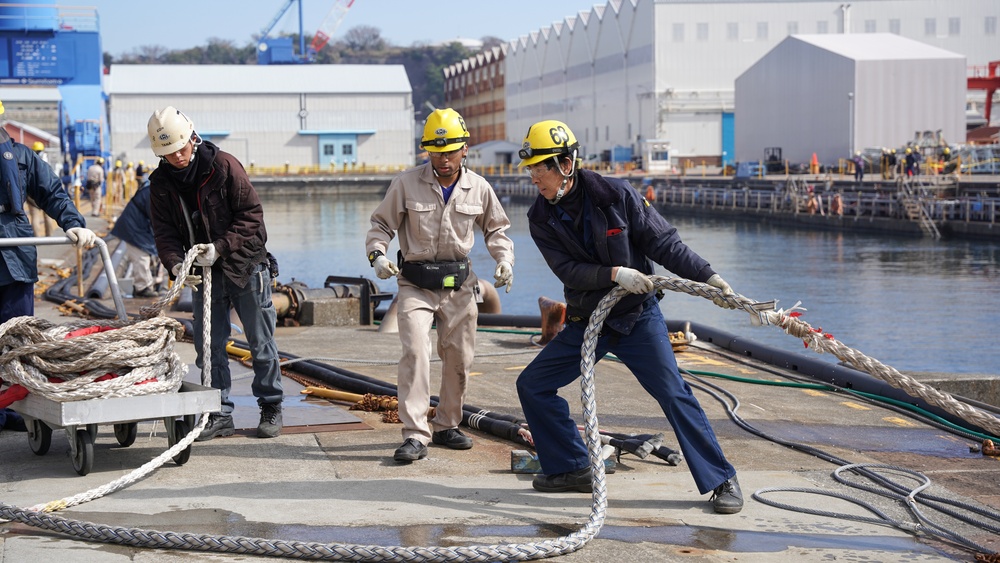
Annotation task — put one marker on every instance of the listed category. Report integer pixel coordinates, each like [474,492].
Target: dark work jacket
[627,231]
[229,210]
[134,226]
[22,175]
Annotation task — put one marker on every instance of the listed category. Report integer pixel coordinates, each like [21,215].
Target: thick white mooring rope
[763,313]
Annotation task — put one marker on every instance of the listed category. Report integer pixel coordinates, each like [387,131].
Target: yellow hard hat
[546,139]
[141,163]
[130,164]
[37,146]
[907,150]
[444,131]
[1,107]
[100,160]
[118,164]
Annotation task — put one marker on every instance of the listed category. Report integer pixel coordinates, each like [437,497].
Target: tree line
[362,44]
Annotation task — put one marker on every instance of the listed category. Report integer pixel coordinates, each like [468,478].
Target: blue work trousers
[256,312]
[648,354]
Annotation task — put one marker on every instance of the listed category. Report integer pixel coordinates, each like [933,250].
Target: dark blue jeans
[17,299]
[255,310]
[648,354]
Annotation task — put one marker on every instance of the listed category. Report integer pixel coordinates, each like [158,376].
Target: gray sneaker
[219,425]
[270,420]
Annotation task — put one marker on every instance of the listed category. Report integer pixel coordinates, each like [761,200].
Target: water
[914,304]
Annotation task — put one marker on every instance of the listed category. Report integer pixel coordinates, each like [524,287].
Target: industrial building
[628,71]
[834,95]
[268,115]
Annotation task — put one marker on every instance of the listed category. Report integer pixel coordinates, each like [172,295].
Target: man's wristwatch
[373,256]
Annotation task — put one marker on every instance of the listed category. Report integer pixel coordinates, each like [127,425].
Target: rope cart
[83,374]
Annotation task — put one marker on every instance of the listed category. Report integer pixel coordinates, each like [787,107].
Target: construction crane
[279,50]
[327,28]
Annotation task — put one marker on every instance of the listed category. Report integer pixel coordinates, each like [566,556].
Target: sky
[182,24]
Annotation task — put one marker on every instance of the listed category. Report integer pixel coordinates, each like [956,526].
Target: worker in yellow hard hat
[597,233]
[435,277]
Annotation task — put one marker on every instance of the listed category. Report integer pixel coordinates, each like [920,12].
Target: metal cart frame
[80,419]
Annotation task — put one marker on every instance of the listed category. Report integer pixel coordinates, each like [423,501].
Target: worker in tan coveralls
[434,208]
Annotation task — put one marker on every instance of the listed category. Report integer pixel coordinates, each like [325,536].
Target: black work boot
[410,451]
[727,498]
[579,480]
[219,425]
[452,438]
[270,420]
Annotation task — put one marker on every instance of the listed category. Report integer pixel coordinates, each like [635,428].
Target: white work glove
[633,281]
[717,281]
[504,275]
[81,237]
[385,268]
[191,279]
[207,254]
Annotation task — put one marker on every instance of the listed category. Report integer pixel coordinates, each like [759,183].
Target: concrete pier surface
[330,478]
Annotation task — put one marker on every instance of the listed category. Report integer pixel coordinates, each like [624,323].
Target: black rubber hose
[353,382]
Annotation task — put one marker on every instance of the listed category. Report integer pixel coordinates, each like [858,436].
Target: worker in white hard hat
[24,175]
[436,208]
[201,197]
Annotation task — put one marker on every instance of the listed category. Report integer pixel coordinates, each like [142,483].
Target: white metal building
[630,70]
[834,94]
[269,115]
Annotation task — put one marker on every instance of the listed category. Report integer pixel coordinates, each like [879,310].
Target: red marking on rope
[795,314]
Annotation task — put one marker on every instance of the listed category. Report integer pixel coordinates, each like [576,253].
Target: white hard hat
[169,130]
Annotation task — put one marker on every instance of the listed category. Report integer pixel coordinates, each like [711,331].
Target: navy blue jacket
[22,175]
[626,230]
[134,226]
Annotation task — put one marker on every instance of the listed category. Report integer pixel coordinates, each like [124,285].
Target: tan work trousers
[456,316]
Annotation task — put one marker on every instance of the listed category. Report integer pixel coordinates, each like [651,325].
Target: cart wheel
[39,437]
[83,455]
[125,433]
[181,429]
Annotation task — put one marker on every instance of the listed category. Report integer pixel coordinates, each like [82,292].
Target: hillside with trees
[360,45]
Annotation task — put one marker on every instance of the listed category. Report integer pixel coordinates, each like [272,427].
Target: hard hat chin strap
[566,177]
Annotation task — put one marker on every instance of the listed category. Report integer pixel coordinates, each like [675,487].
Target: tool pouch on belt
[436,275]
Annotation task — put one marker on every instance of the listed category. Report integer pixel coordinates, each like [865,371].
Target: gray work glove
[191,279]
[717,281]
[81,237]
[385,268]
[633,281]
[504,275]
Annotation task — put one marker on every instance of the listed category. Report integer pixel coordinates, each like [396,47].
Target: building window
[347,150]
[793,28]
[702,31]
[894,26]
[678,32]
[761,31]
[822,27]
[870,26]
[327,150]
[732,31]
[991,25]
[930,27]
[954,27]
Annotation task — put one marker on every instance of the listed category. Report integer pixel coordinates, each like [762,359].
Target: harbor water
[918,305]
